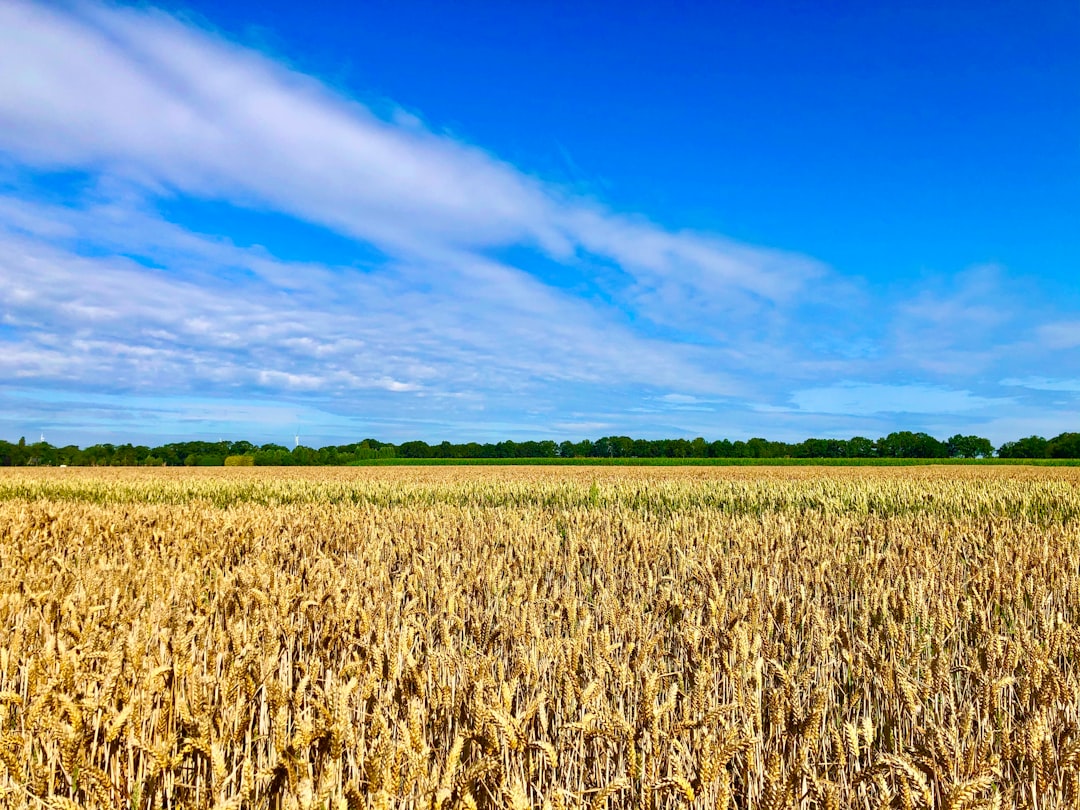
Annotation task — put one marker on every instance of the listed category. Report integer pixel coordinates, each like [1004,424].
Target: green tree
[414,449]
[758,447]
[1067,445]
[303,456]
[678,448]
[969,447]
[861,447]
[643,448]
[722,448]
[905,444]
[1030,447]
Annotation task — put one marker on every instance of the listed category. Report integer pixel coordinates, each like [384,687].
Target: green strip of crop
[717,462]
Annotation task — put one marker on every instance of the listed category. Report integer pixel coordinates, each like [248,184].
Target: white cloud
[105,294]
[476,325]
[147,97]
[137,94]
[875,398]
[1061,335]
[1043,384]
[957,324]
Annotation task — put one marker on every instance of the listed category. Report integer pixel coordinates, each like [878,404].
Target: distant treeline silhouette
[902,444]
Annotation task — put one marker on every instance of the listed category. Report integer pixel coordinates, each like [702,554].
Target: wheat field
[540,638]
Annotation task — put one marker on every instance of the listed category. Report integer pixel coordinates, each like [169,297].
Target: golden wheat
[540,638]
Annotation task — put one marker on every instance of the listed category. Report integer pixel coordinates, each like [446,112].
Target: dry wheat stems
[540,638]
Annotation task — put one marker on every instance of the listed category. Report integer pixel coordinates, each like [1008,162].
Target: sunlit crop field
[540,637]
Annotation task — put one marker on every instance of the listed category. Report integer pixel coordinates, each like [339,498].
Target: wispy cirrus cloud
[956,325]
[1044,384]
[139,95]
[221,317]
[107,292]
[479,294]
[1060,335]
[876,398]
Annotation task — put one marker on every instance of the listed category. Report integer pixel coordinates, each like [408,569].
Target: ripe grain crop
[540,637]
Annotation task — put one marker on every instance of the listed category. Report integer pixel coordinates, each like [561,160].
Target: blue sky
[485,221]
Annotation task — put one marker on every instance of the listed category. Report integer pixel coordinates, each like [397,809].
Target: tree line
[901,444]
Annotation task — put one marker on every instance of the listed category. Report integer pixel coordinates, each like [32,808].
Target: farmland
[557,637]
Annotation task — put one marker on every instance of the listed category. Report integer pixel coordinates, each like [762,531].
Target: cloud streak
[1061,335]
[141,96]
[483,295]
[871,398]
[478,325]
